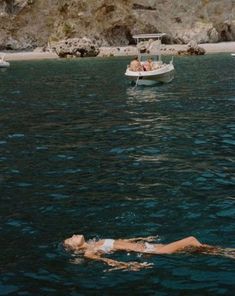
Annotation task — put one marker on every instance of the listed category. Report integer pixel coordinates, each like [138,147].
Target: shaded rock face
[31,23]
[13,7]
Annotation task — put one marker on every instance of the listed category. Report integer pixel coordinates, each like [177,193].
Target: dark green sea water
[81,151]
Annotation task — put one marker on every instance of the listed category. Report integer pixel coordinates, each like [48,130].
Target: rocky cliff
[26,24]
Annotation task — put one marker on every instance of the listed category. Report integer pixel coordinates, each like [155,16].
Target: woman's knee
[192,240]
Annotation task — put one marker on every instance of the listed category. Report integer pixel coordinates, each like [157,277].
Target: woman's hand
[133,266]
[136,266]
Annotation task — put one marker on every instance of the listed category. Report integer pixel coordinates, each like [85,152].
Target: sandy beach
[32,55]
[222,47]
[170,49]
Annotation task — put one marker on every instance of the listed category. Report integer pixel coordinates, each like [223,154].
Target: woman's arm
[134,266]
[146,239]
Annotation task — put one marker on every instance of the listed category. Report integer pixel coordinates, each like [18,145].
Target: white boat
[233,54]
[161,72]
[3,63]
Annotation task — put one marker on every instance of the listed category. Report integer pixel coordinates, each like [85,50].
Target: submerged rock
[76,47]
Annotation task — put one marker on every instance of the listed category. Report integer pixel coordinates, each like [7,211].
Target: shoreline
[29,55]
[169,49]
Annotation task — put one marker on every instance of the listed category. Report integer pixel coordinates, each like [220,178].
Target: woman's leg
[179,245]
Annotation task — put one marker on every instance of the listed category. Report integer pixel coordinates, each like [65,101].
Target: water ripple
[87,153]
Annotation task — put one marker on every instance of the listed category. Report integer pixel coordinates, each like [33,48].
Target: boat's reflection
[3,69]
[144,94]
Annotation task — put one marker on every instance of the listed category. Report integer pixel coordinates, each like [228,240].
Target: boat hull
[148,78]
[4,64]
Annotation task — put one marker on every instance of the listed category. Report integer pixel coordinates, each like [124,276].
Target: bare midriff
[135,247]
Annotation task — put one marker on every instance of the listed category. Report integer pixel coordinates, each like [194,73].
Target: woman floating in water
[96,249]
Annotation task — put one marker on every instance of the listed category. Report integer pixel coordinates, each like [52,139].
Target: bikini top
[107,246]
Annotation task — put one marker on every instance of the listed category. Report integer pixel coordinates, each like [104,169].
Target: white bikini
[107,245]
[149,248]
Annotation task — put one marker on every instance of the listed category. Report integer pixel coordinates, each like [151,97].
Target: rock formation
[26,24]
[76,47]
[192,49]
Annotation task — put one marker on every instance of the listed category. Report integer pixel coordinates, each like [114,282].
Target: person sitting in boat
[148,65]
[96,249]
[135,65]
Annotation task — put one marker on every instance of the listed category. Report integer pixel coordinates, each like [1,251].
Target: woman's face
[75,241]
